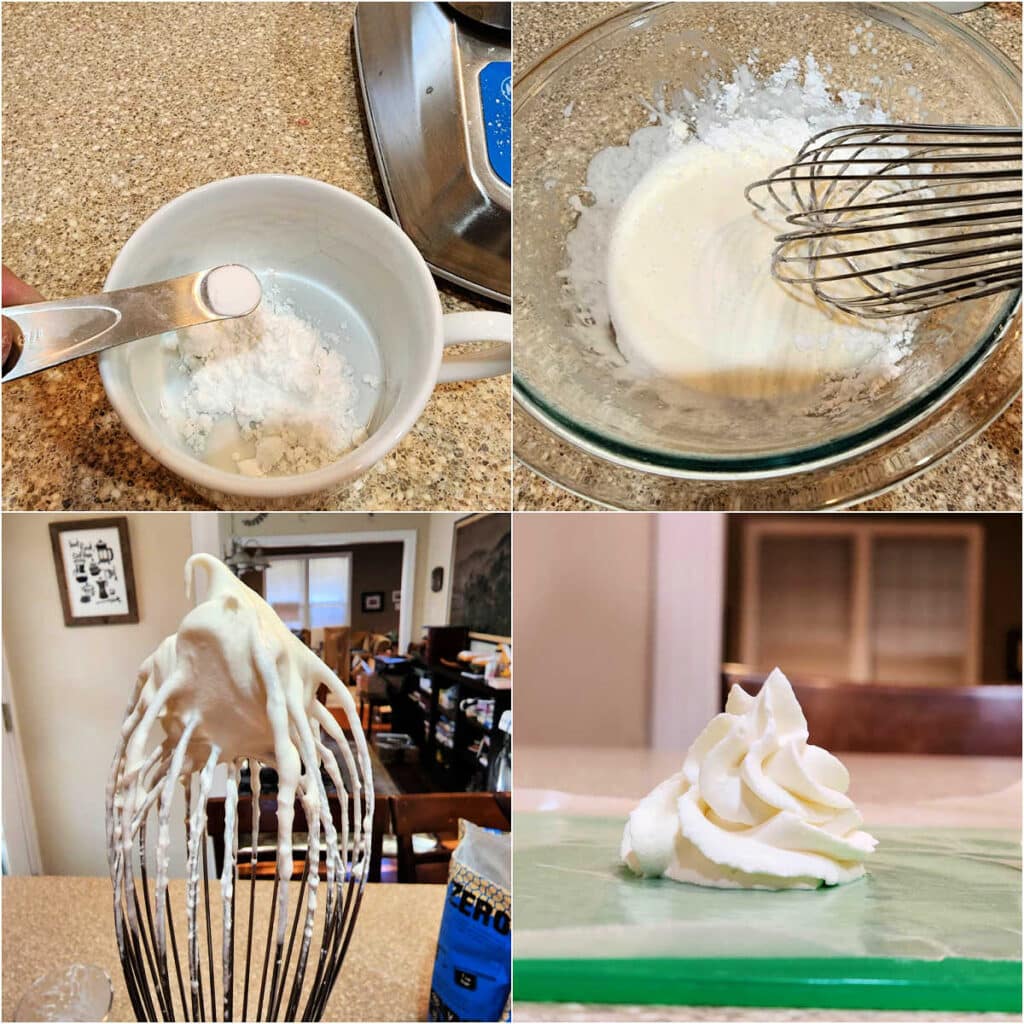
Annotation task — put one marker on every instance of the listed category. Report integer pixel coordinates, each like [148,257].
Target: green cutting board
[935,925]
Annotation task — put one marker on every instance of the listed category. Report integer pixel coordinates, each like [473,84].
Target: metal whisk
[897,219]
[259,976]
[325,788]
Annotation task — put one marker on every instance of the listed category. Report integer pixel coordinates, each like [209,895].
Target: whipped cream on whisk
[754,807]
[233,686]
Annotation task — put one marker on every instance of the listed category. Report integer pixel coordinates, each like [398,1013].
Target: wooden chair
[268,824]
[379,644]
[373,698]
[439,813]
[876,718]
[338,651]
[374,712]
[359,640]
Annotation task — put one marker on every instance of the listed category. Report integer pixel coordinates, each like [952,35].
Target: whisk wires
[159,991]
[893,220]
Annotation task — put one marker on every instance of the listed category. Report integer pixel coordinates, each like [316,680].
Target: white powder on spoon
[232,290]
[286,385]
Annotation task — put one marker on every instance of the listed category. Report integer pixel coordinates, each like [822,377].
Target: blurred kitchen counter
[984,475]
[903,781]
[907,789]
[113,109]
[54,921]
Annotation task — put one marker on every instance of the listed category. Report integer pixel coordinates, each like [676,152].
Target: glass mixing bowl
[589,420]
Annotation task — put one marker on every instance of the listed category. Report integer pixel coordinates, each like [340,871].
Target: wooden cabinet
[864,602]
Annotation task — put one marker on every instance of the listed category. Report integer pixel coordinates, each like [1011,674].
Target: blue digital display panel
[496,98]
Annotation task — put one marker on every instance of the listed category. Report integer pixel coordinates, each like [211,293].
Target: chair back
[897,719]
[439,813]
[379,644]
[268,823]
[359,640]
[337,651]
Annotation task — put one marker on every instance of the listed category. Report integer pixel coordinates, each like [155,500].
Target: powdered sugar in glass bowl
[588,417]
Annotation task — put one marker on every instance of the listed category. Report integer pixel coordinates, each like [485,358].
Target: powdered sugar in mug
[326,260]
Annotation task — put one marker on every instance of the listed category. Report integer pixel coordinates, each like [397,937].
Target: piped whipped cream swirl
[755,806]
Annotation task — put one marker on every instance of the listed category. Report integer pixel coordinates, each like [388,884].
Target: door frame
[21,837]
[689,583]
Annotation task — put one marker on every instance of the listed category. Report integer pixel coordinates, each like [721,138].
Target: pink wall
[582,622]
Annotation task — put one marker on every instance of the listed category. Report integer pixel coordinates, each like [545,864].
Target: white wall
[619,624]
[72,685]
[581,618]
[438,552]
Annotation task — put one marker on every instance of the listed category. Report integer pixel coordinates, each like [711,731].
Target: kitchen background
[67,689]
[635,619]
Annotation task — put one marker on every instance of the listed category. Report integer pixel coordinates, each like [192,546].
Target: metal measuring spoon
[49,333]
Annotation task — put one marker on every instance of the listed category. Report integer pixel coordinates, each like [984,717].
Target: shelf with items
[450,707]
[464,698]
[864,601]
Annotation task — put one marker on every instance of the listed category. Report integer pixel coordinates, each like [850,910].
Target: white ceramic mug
[326,245]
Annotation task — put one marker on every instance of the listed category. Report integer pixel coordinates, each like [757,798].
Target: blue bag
[473,967]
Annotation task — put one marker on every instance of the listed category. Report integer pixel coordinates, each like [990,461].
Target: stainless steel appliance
[437,90]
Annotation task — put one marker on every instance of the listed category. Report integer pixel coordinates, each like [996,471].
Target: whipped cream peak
[754,806]
[233,686]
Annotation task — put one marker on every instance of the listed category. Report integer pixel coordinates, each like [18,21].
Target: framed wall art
[93,558]
[481,575]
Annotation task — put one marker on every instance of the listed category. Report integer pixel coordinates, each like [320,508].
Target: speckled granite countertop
[983,475]
[51,922]
[112,110]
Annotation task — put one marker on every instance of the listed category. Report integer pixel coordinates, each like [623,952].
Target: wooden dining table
[904,789]
[51,922]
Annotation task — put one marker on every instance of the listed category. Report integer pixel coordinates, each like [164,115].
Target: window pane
[290,615]
[284,582]
[328,580]
[328,615]
[805,603]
